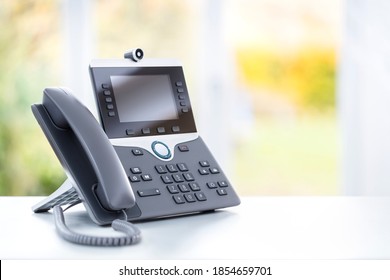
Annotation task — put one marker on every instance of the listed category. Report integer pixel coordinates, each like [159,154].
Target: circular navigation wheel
[161,150]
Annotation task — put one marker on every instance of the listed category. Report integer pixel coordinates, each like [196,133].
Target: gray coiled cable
[132,233]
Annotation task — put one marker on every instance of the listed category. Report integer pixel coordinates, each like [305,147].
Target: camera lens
[135,54]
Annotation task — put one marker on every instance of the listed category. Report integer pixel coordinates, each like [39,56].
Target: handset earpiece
[113,189]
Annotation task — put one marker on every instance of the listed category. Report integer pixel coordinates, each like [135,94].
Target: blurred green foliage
[305,76]
[26,68]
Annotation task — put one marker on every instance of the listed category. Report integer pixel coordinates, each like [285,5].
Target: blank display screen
[144,98]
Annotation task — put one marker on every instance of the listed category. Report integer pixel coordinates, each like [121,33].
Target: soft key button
[161,150]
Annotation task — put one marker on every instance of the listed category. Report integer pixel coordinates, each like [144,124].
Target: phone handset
[113,189]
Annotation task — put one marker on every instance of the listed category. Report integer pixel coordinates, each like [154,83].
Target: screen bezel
[114,128]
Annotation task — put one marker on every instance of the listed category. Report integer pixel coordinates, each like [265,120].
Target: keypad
[180,183]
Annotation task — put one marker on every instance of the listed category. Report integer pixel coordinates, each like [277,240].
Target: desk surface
[260,228]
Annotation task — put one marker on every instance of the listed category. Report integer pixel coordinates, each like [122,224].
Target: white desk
[260,228]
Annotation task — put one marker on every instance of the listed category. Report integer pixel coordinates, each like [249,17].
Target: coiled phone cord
[132,233]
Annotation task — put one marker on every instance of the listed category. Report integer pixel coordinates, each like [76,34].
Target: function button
[178,199]
[171,168]
[146,130]
[110,106]
[105,86]
[194,186]
[106,92]
[183,148]
[134,178]
[180,90]
[111,113]
[149,192]
[200,196]
[181,97]
[189,197]
[183,103]
[211,185]
[166,179]
[179,83]
[183,188]
[160,169]
[161,150]
[173,189]
[204,163]
[161,129]
[130,132]
[108,99]
[214,170]
[177,178]
[188,177]
[182,167]
[175,128]
[146,177]
[184,110]
[137,152]
[203,171]
[222,184]
[222,192]
[135,170]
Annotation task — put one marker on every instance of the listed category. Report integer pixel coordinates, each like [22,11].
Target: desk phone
[146,159]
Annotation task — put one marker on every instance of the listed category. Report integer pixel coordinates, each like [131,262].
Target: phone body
[146,118]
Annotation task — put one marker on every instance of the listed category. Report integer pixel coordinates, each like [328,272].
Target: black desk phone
[148,161]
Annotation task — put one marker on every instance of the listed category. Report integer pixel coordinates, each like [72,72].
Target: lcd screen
[144,98]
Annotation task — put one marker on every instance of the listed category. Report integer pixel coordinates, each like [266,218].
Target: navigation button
[161,150]
[137,152]
[183,148]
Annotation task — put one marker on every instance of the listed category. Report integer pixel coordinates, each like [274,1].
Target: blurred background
[279,87]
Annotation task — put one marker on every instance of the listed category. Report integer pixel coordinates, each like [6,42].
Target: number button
[160,169]
[194,186]
[173,189]
[166,179]
[200,196]
[178,199]
[183,188]
[171,168]
[188,177]
[189,197]
[182,167]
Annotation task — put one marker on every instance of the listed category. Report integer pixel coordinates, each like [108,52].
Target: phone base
[66,194]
